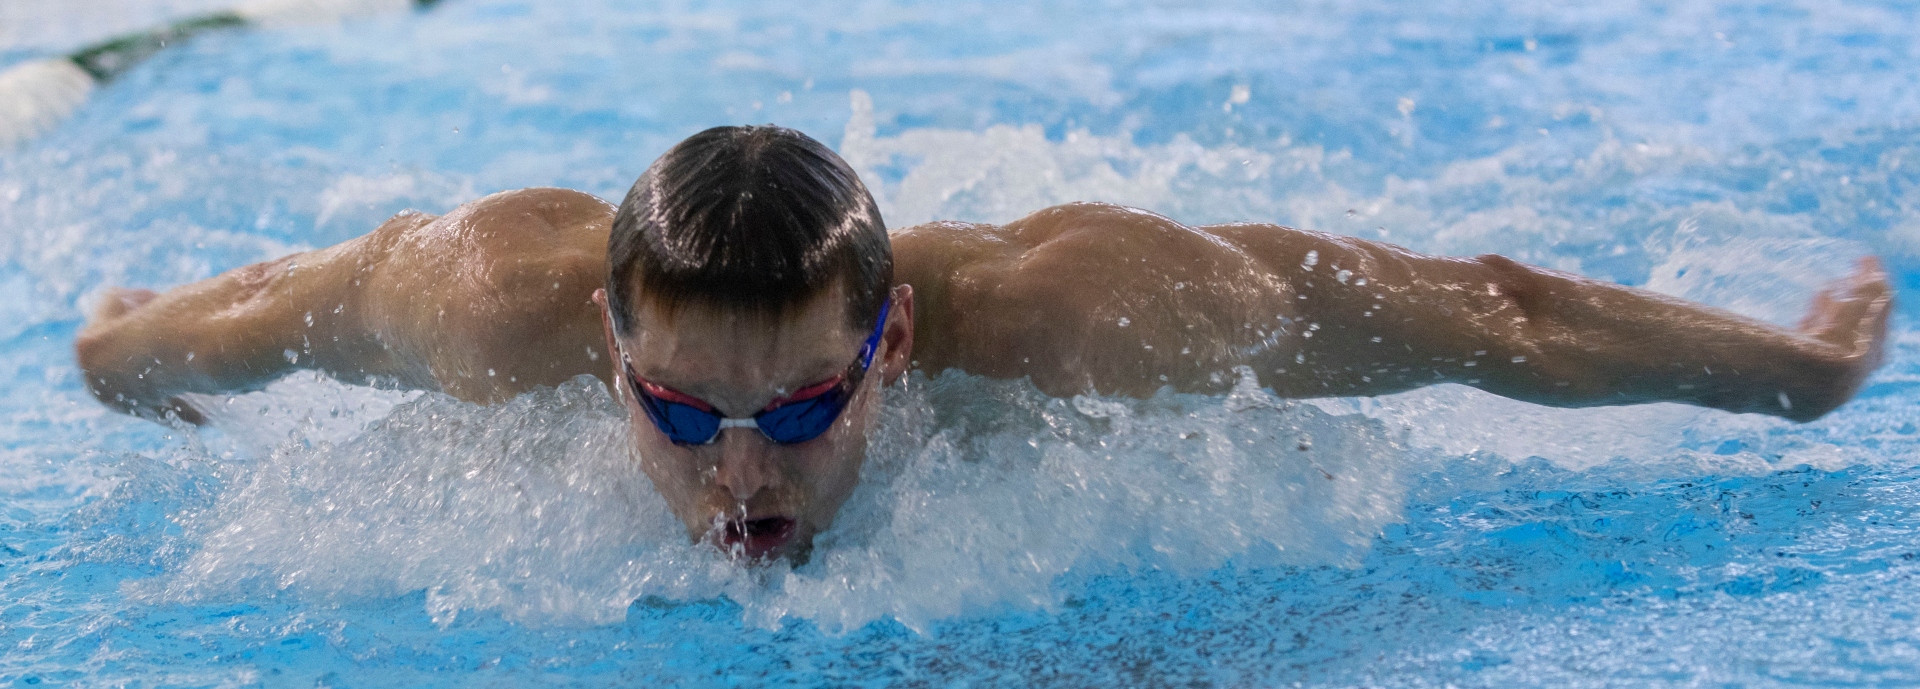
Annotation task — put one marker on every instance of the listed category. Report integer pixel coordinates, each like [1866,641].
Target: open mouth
[757,538]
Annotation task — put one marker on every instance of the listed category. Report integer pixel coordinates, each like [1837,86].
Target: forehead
[720,354]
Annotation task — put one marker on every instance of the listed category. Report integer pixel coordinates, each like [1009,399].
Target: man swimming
[746,304]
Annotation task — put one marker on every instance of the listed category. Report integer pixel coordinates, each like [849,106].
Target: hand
[117,304]
[1851,314]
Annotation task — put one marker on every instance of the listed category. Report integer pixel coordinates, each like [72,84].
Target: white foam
[534,509]
[1006,171]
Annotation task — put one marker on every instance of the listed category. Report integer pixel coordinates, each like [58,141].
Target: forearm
[1560,339]
[1583,342]
[232,333]
[212,336]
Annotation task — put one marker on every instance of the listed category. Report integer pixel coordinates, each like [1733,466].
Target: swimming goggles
[796,418]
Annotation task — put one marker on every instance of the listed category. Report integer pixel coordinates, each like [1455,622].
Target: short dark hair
[754,218]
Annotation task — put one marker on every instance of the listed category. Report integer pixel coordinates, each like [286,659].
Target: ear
[898,337]
[613,348]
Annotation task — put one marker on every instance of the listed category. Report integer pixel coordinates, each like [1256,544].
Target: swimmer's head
[746,272]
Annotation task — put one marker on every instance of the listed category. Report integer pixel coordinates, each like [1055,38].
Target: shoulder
[1057,229]
[542,201]
[541,215]
[482,286]
[539,227]
[516,250]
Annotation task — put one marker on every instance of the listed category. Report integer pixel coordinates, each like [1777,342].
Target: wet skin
[500,296]
[749,495]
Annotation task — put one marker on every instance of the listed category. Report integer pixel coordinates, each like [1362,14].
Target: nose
[746,465]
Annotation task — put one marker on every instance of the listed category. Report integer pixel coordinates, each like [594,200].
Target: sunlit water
[1735,153]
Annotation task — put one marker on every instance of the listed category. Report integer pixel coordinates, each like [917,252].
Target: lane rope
[37,95]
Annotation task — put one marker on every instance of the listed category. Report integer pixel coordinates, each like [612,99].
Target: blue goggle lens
[787,424]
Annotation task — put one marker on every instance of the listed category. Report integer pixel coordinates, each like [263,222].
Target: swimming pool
[1736,153]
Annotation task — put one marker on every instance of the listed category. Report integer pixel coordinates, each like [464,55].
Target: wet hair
[760,219]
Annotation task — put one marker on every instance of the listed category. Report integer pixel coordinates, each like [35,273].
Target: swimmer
[746,304]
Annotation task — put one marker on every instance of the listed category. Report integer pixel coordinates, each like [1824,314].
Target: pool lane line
[37,95]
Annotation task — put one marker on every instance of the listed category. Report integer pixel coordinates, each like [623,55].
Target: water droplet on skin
[1342,276]
[309,319]
[293,357]
[489,373]
[189,356]
[1519,360]
[1300,358]
[1124,322]
[1312,259]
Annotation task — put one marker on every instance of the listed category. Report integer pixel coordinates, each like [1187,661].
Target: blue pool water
[1736,153]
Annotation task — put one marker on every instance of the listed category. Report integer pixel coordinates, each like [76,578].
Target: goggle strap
[873,340]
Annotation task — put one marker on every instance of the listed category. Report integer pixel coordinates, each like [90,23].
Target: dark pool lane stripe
[113,57]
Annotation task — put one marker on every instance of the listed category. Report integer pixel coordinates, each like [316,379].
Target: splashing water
[535,510]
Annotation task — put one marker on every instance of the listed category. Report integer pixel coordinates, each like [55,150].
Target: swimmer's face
[743,492]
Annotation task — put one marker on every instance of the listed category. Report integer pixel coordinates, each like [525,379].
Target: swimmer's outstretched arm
[488,301]
[1097,297]
[1555,338]
[235,332]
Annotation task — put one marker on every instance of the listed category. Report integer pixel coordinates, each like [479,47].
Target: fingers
[1877,297]
[1852,312]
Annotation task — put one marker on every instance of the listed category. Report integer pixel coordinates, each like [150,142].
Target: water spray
[35,96]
